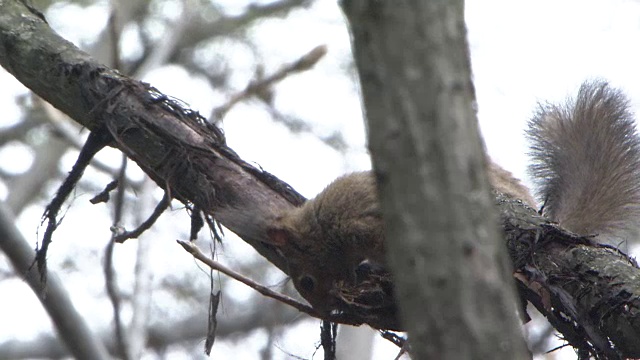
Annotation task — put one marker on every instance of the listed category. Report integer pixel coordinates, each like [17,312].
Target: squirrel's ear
[278,237]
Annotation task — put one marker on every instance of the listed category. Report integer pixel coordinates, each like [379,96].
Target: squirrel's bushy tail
[586,163]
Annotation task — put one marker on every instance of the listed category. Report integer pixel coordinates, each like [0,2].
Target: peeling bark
[589,292]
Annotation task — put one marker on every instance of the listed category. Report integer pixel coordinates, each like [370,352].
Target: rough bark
[589,292]
[443,245]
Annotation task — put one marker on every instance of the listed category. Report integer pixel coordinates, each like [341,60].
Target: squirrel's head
[317,271]
[326,239]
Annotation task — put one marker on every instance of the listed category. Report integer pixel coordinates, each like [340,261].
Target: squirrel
[586,163]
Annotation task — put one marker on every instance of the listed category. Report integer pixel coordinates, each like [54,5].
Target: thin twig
[61,127]
[212,323]
[193,250]
[393,338]
[109,272]
[160,208]
[398,341]
[143,286]
[304,63]
[96,141]
[104,196]
[196,253]
[328,333]
[115,39]
[197,221]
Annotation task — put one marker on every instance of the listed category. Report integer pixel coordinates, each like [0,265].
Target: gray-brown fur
[328,237]
[586,162]
[333,233]
[503,181]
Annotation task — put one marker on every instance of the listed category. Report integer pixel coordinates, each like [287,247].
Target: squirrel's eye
[307,283]
[368,268]
[363,270]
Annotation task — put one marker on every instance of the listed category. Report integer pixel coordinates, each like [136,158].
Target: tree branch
[71,326]
[192,249]
[173,145]
[590,293]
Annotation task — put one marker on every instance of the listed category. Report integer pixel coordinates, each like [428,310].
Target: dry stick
[96,141]
[115,40]
[104,195]
[160,208]
[212,323]
[328,333]
[196,253]
[61,126]
[306,62]
[109,271]
[398,341]
[137,332]
[193,250]
[70,136]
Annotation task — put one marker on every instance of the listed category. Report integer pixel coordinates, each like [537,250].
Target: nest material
[370,299]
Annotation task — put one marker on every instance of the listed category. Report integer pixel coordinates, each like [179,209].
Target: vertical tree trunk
[450,268]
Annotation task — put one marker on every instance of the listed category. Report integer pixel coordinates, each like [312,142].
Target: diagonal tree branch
[71,326]
[171,144]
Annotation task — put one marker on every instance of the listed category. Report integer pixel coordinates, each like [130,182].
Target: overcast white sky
[522,52]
